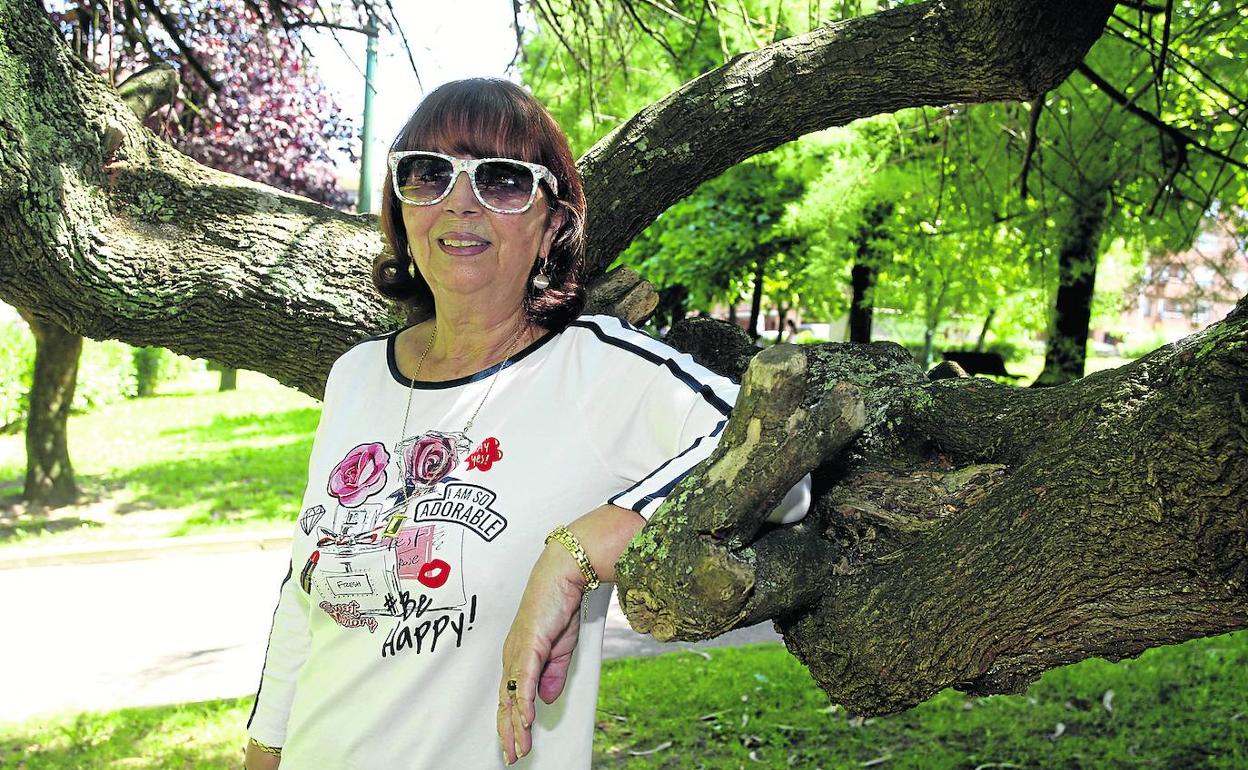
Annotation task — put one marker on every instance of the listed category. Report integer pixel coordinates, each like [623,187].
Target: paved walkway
[143,625]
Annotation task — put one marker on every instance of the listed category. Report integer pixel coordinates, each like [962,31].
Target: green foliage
[105,374]
[711,241]
[108,371]
[960,238]
[17,362]
[756,706]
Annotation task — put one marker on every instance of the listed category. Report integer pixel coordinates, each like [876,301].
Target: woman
[434,591]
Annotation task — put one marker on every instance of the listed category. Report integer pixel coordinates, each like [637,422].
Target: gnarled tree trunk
[965,533]
[49,473]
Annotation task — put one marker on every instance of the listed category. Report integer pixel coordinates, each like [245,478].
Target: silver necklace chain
[412,388]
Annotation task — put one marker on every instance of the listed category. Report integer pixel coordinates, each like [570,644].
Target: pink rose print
[361,473]
[431,457]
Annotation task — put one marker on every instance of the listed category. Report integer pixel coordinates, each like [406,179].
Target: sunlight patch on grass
[181,462]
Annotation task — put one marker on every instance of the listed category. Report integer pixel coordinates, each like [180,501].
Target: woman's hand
[538,649]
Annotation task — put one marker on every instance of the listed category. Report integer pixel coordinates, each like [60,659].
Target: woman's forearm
[604,533]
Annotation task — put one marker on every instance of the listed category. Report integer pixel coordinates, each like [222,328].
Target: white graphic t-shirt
[411,553]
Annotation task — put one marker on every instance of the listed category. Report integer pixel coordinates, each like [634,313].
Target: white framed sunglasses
[503,185]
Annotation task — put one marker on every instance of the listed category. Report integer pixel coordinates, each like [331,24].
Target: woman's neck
[469,344]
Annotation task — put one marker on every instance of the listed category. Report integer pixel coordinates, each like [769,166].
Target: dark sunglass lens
[504,185]
[423,177]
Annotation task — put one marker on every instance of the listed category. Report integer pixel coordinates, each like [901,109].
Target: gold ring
[511,685]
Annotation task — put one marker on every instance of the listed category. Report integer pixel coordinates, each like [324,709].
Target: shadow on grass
[19,519]
[10,530]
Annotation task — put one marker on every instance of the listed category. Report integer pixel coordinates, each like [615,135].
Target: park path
[176,627]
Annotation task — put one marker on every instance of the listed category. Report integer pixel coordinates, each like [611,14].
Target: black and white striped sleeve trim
[630,338]
[664,479]
[710,386]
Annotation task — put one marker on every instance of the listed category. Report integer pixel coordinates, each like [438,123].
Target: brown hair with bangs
[491,117]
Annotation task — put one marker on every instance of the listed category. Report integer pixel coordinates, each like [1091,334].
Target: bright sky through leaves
[449,41]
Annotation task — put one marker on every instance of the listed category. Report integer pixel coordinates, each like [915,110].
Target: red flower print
[361,473]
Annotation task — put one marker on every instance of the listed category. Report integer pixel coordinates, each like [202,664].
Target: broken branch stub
[782,426]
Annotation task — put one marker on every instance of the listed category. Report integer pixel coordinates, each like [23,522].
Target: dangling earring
[411,262]
[541,280]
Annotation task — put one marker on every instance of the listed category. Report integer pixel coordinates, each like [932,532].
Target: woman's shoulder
[370,346]
[364,357]
[618,350]
[617,339]
[625,365]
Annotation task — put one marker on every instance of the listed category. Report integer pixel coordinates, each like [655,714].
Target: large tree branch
[973,535]
[137,242]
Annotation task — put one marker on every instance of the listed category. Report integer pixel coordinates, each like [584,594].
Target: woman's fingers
[506,739]
[521,722]
[554,677]
[516,708]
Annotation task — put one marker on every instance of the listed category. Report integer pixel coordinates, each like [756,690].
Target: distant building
[1181,293]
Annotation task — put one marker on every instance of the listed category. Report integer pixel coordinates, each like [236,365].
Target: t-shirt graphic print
[411,552]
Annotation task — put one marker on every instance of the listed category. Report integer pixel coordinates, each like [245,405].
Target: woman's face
[495,273]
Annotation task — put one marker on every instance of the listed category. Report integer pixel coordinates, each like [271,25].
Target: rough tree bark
[1066,350]
[965,533]
[962,533]
[49,473]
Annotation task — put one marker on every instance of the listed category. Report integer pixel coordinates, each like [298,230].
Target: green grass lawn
[756,707]
[188,460]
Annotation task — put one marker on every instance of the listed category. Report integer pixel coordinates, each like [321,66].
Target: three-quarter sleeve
[289,637]
[289,642]
[660,414]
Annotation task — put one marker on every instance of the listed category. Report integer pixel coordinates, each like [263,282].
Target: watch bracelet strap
[267,749]
[564,537]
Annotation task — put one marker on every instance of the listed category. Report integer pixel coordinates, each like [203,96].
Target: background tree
[245,101]
[1133,147]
